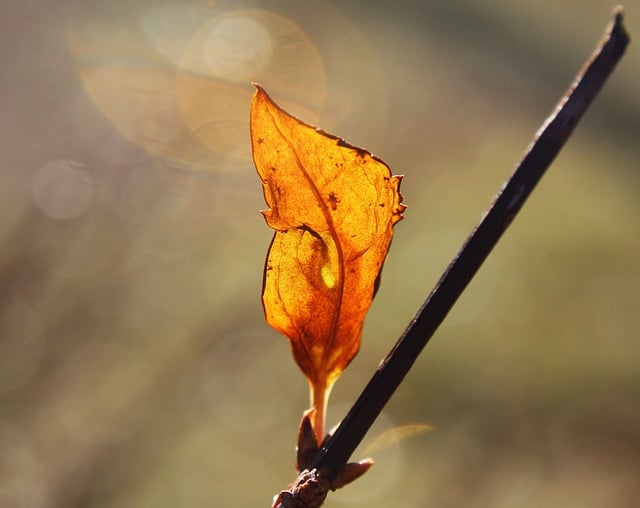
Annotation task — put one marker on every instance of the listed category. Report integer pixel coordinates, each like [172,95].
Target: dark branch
[547,143]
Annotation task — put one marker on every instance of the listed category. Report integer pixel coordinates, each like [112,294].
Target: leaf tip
[260,91]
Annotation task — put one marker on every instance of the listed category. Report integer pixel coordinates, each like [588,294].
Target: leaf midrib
[334,235]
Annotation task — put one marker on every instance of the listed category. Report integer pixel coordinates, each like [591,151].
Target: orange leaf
[332,206]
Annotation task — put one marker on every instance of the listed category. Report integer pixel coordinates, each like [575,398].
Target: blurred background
[136,369]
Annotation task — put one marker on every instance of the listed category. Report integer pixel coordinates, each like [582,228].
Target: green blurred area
[136,369]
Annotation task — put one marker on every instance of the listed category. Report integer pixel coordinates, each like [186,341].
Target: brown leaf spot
[333,201]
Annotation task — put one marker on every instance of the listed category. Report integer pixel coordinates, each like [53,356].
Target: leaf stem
[319,398]
[547,143]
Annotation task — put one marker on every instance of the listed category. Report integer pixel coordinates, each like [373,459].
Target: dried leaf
[332,206]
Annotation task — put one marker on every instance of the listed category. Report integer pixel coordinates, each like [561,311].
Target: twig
[547,143]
